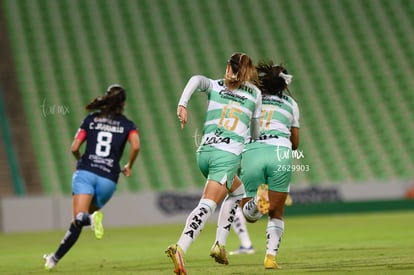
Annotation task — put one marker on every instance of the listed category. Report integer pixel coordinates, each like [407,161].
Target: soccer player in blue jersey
[105,131]
[234,107]
[266,166]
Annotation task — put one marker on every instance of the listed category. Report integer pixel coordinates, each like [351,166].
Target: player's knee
[276,213]
[82,219]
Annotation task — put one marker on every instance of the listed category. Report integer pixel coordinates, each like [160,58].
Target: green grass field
[367,243]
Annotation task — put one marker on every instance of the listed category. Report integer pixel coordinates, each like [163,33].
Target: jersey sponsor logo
[271,101]
[233,96]
[217,138]
[99,160]
[264,137]
[242,87]
[101,167]
[214,140]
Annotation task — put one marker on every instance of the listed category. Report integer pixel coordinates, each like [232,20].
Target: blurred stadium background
[352,61]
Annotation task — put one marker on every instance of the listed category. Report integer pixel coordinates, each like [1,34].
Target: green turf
[366,243]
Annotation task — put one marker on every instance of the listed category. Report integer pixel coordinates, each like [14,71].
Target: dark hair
[270,83]
[242,70]
[112,103]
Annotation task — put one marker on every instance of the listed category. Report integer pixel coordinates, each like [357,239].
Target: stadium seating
[352,63]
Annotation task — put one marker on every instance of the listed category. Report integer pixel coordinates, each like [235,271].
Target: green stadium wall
[352,63]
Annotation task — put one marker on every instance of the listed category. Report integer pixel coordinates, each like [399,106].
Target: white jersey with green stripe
[279,115]
[228,112]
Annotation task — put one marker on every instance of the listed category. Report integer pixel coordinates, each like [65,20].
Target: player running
[266,161]
[233,104]
[105,131]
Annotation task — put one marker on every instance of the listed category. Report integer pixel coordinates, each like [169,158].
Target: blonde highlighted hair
[242,70]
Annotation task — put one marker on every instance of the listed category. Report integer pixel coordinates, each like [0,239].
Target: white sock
[250,211]
[274,232]
[227,214]
[240,228]
[195,223]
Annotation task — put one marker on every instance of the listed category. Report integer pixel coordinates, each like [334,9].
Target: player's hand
[127,170]
[182,115]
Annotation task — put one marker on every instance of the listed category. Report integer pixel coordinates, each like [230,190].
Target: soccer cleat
[96,224]
[218,252]
[50,261]
[243,250]
[270,262]
[175,252]
[263,199]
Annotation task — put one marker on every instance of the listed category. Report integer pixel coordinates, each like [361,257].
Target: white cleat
[243,250]
[50,261]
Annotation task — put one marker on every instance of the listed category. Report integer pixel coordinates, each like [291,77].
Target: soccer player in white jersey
[240,228]
[266,162]
[234,108]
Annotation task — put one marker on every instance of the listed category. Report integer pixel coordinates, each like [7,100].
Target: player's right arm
[77,142]
[197,82]
[255,121]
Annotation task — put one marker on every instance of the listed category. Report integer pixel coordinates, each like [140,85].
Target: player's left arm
[294,137]
[134,151]
[294,130]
